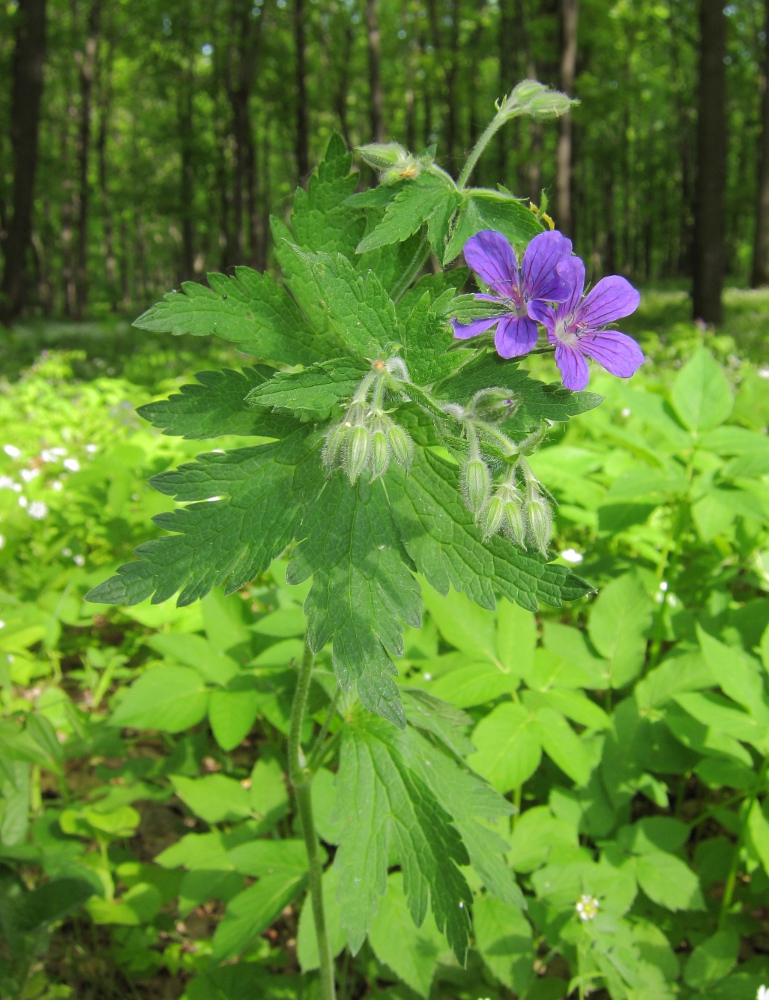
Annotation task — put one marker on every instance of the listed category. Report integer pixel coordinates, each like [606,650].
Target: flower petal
[462,331]
[542,313]
[572,270]
[492,258]
[616,352]
[572,365]
[539,277]
[516,335]
[612,298]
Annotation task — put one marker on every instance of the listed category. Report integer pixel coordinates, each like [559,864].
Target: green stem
[731,878]
[475,154]
[418,261]
[301,779]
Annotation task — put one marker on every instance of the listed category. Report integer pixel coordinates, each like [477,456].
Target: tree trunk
[27,90]
[105,92]
[506,34]
[302,124]
[375,94]
[760,271]
[187,174]
[711,164]
[569,15]
[86,63]
[452,73]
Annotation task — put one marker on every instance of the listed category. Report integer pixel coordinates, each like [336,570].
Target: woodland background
[146,142]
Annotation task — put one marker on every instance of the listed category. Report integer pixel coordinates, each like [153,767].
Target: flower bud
[332,449]
[380,453]
[382,155]
[476,485]
[357,452]
[401,444]
[539,522]
[494,405]
[493,517]
[514,527]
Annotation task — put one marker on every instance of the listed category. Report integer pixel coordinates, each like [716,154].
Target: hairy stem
[475,154]
[301,779]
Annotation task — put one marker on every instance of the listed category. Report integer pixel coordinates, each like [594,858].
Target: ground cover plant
[388,742]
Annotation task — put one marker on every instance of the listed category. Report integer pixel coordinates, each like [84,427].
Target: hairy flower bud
[514,527]
[380,453]
[493,517]
[476,485]
[357,452]
[533,98]
[494,405]
[332,449]
[539,522]
[401,444]
[382,155]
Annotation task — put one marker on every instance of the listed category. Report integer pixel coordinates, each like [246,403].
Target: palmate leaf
[264,493]
[313,393]
[483,209]
[320,219]
[216,405]
[424,199]
[447,548]
[250,309]
[363,592]
[428,342]
[381,801]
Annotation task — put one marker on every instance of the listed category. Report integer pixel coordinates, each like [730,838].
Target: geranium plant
[394,433]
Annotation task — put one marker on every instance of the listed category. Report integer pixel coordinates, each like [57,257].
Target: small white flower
[763,372]
[16,487]
[626,412]
[428,677]
[664,585]
[56,484]
[23,501]
[572,556]
[46,455]
[91,448]
[2,624]
[78,560]
[6,483]
[29,474]
[587,907]
[72,464]
[59,451]
[37,509]
[66,552]
[763,991]
[11,450]
[2,541]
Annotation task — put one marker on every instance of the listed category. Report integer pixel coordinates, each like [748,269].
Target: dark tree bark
[569,17]
[105,92]
[711,164]
[343,86]
[86,63]
[375,93]
[184,118]
[760,270]
[302,116]
[27,90]
[505,38]
[452,75]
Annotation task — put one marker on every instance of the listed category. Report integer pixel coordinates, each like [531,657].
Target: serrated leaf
[216,405]
[413,205]
[381,801]
[362,594]
[313,393]
[428,344]
[267,490]
[669,881]
[509,747]
[167,698]
[249,309]
[447,548]
[492,210]
[252,911]
[320,218]
[359,311]
[447,723]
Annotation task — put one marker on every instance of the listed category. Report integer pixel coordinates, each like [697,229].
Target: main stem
[475,154]
[301,778]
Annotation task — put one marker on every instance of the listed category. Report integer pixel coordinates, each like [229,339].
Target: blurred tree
[569,18]
[760,270]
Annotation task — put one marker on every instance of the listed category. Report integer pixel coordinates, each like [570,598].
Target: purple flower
[576,326]
[537,281]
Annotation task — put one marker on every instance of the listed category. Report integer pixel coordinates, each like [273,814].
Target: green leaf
[432,715]
[536,833]
[314,393]
[720,715]
[249,309]
[447,548]
[358,309]
[138,906]
[49,903]
[232,711]
[509,747]
[412,953]
[619,621]
[258,858]
[492,210]
[504,939]
[167,698]
[252,911]
[563,746]
[475,684]
[215,798]
[701,393]
[200,886]
[463,624]
[216,405]
[268,796]
[382,802]
[712,960]
[421,200]
[196,652]
[431,352]
[306,941]
[266,490]
[362,592]
[669,881]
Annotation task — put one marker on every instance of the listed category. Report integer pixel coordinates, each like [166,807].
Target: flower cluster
[548,289]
